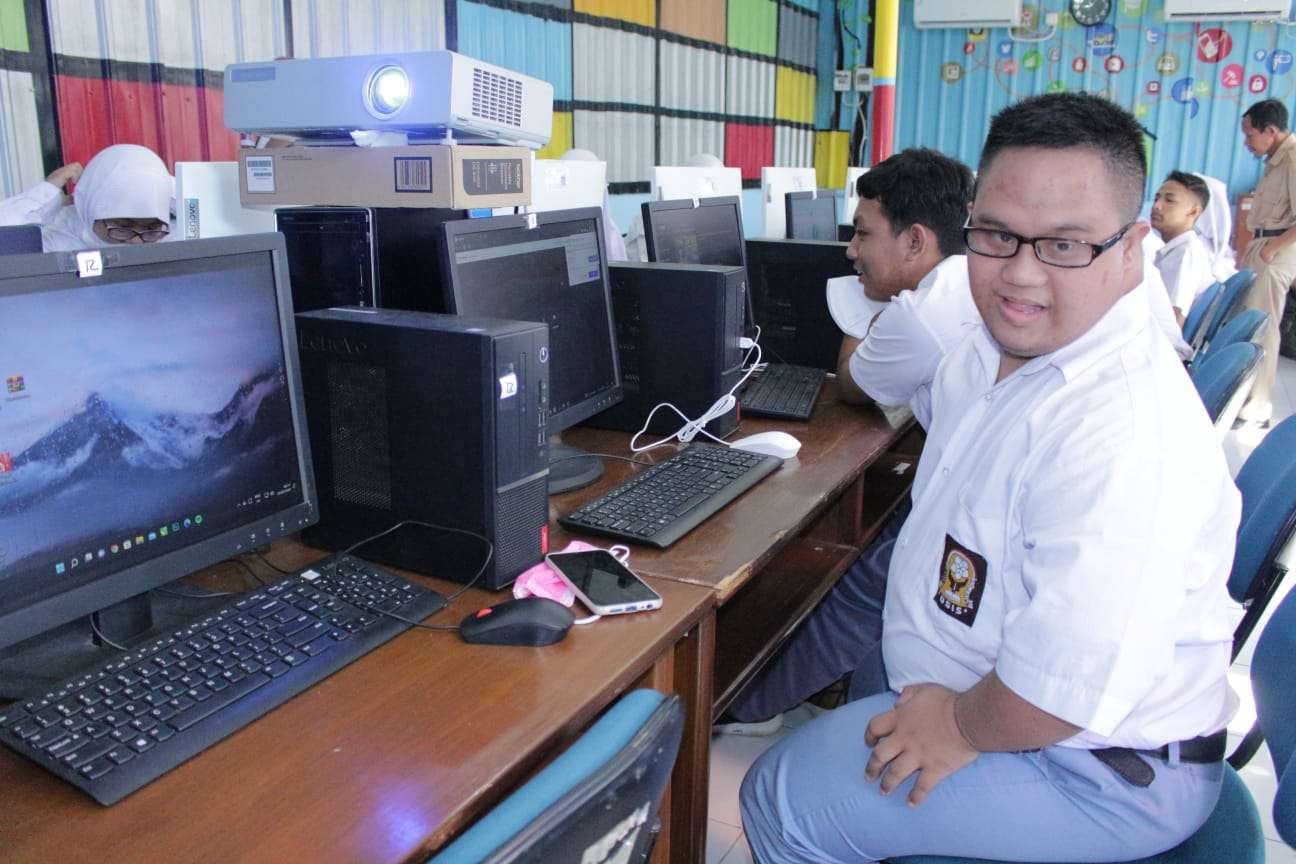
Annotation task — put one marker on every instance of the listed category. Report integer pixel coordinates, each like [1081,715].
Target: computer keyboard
[122,725]
[662,504]
[782,390]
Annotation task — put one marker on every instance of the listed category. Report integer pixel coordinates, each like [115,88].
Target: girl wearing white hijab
[1216,229]
[123,196]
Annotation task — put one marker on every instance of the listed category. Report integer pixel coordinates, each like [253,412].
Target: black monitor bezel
[813,195]
[21,236]
[446,235]
[649,208]
[59,607]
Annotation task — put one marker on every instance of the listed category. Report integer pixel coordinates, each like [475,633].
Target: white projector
[430,95]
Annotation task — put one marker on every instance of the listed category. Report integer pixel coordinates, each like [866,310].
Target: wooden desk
[393,755]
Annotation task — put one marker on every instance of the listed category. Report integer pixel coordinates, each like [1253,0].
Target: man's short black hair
[1066,121]
[920,186]
[1267,113]
[1193,184]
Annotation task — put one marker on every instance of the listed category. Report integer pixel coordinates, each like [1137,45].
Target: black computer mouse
[529,621]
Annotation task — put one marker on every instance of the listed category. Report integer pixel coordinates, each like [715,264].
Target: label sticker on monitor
[89,264]
[508,386]
[259,173]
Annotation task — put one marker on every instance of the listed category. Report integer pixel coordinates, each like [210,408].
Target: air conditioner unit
[1226,10]
[961,13]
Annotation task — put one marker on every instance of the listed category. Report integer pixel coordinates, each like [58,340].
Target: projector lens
[388,90]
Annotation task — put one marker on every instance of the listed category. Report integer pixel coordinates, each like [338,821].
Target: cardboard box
[459,176]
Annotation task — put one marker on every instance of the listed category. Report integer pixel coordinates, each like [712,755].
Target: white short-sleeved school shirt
[898,357]
[1073,529]
[1186,268]
[1159,298]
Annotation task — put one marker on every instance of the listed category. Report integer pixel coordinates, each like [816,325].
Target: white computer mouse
[779,444]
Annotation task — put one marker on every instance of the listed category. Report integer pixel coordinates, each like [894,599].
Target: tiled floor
[731,755]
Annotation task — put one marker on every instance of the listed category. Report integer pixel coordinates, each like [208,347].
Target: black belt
[1268,232]
[1125,761]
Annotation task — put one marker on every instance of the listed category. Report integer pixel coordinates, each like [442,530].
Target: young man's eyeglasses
[1054,251]
[125,234]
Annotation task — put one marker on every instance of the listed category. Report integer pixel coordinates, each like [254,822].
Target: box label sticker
[89,264]
[508,386]
[413,173]
[259,171]
[492,176]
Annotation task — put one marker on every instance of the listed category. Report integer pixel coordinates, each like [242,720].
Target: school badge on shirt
[962,581]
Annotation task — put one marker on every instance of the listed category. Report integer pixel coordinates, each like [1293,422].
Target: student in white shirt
[37,205]
[1057,626]
[907,249]
[1185,265]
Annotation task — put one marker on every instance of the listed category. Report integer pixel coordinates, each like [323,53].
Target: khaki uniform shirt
[1275,195]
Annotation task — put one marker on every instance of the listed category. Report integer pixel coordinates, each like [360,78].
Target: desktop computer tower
[790,299]
[678,327]
[364,256]
[434,418]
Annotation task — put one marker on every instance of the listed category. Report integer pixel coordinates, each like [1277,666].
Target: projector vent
[497,98]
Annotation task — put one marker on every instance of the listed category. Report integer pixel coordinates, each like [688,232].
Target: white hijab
[124,181]
[1216,228]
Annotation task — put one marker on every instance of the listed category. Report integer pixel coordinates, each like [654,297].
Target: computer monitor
[852,199]
[679,181]
[563,184]
[788,281]
[547,267]
[811,215]
[775,183]
[208,205]
[694,231]
[20,239]
[152,424]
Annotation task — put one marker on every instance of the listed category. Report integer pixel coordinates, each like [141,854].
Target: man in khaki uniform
[1272,250]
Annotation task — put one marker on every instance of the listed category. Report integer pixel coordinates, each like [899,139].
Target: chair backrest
[1268,485]
[1197,312]
[600,796]
[1221,377]
[1234,295]
[1243,327]
[1273,682]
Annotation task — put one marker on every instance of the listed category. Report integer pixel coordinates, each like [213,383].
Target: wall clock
[1090,12]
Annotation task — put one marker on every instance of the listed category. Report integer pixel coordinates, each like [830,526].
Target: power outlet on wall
[863,79]
[842,80]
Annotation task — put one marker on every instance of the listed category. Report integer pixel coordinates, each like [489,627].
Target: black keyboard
[662,504]
[124,724]
[782,390]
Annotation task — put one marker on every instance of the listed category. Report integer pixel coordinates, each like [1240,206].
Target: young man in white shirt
[907,248]
[1185,265]
[1057,625]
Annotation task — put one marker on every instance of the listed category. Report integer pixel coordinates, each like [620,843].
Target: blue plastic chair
[611,779]
[1232,297]
[1197,312]
[1246,326]
[1224,380]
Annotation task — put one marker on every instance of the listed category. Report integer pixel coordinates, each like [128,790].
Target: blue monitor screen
[139,416]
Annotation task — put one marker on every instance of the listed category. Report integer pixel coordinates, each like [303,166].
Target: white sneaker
[759,729]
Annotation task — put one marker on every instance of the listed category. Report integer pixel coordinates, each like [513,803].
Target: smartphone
[603,584]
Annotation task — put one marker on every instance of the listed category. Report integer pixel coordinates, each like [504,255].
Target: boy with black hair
[1057,626]
[1185,265]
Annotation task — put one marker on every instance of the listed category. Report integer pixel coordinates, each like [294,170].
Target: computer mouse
[529,621]
[779,444]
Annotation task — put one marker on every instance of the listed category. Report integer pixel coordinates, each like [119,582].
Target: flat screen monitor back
[20,240]
[207,202]
[811,215]
[559,184]
[153,424]
[672,182]
[547,267]
[708,231]
[775,183]
[788,281]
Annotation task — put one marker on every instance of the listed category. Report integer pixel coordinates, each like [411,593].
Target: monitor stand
[571,467]
[30,668]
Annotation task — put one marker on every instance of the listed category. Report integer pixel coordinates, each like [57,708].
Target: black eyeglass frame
[125,234]
[1095,249]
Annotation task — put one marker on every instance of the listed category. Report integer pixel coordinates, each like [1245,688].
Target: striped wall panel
[560,139]
[749,87]
[682,138]
[753,26]
[637,11]
[831,156]
[13,26]
[535,46]
[624,139]
[20,157]
[793,147]
[798,34]
[794,96]
[692,79]
[613,65]
[749,147]
[697,19]
[329,28]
